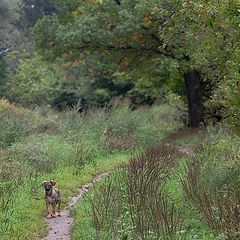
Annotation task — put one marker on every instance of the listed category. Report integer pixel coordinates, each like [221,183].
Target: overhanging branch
[153,49]
[4,51]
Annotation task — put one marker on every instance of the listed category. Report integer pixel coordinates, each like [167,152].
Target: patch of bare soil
[182,134]
[59,228]
[186,133]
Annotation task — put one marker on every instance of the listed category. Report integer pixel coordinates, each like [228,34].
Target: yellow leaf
[147,20]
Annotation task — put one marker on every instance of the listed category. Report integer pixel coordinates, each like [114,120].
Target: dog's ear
[43,183]
[53,182]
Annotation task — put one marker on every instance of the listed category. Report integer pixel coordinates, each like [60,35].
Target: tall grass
[194,195]
[38,144]
[134,203]
[211,185]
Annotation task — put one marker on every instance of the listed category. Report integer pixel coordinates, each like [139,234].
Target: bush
[34,83]
[140,128]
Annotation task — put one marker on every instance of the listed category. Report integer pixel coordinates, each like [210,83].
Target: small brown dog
[52,198]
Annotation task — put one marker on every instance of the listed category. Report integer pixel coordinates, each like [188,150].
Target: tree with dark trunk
[194,90]
[173,35]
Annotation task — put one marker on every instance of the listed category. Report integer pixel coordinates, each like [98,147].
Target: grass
[118,207]
[30,224]
[69,147]
[199,194]
[203,218]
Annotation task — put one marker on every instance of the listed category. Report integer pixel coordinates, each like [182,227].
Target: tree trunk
[194,89]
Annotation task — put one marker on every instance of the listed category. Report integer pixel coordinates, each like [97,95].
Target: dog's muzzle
[48,188]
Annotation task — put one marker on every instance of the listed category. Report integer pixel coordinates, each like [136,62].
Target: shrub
[141,127]
[13,123]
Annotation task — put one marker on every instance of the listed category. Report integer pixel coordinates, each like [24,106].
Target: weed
[134,204]
[211,186]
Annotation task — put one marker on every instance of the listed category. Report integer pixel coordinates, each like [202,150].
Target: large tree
[178,37]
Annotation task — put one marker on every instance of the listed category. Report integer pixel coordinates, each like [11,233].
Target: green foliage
[230,89]
[35,83]
[98,50]
[110,55]
[149,44]
[138,49]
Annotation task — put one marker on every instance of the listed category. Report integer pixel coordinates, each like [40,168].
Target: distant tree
[3,45]
[3,9]
[34,83]
[16,17]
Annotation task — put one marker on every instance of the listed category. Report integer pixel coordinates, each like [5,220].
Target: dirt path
[59,228]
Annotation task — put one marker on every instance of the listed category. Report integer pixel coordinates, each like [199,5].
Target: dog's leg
[49,210]
[58,202]
[54,209]
[59,207]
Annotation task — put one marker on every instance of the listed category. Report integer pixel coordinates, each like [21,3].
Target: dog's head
[48,185]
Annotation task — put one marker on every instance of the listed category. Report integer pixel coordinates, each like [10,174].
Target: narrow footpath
[59,228]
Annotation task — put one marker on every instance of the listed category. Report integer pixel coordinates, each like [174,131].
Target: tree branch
[153,49]
[118,2]
[4,51]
